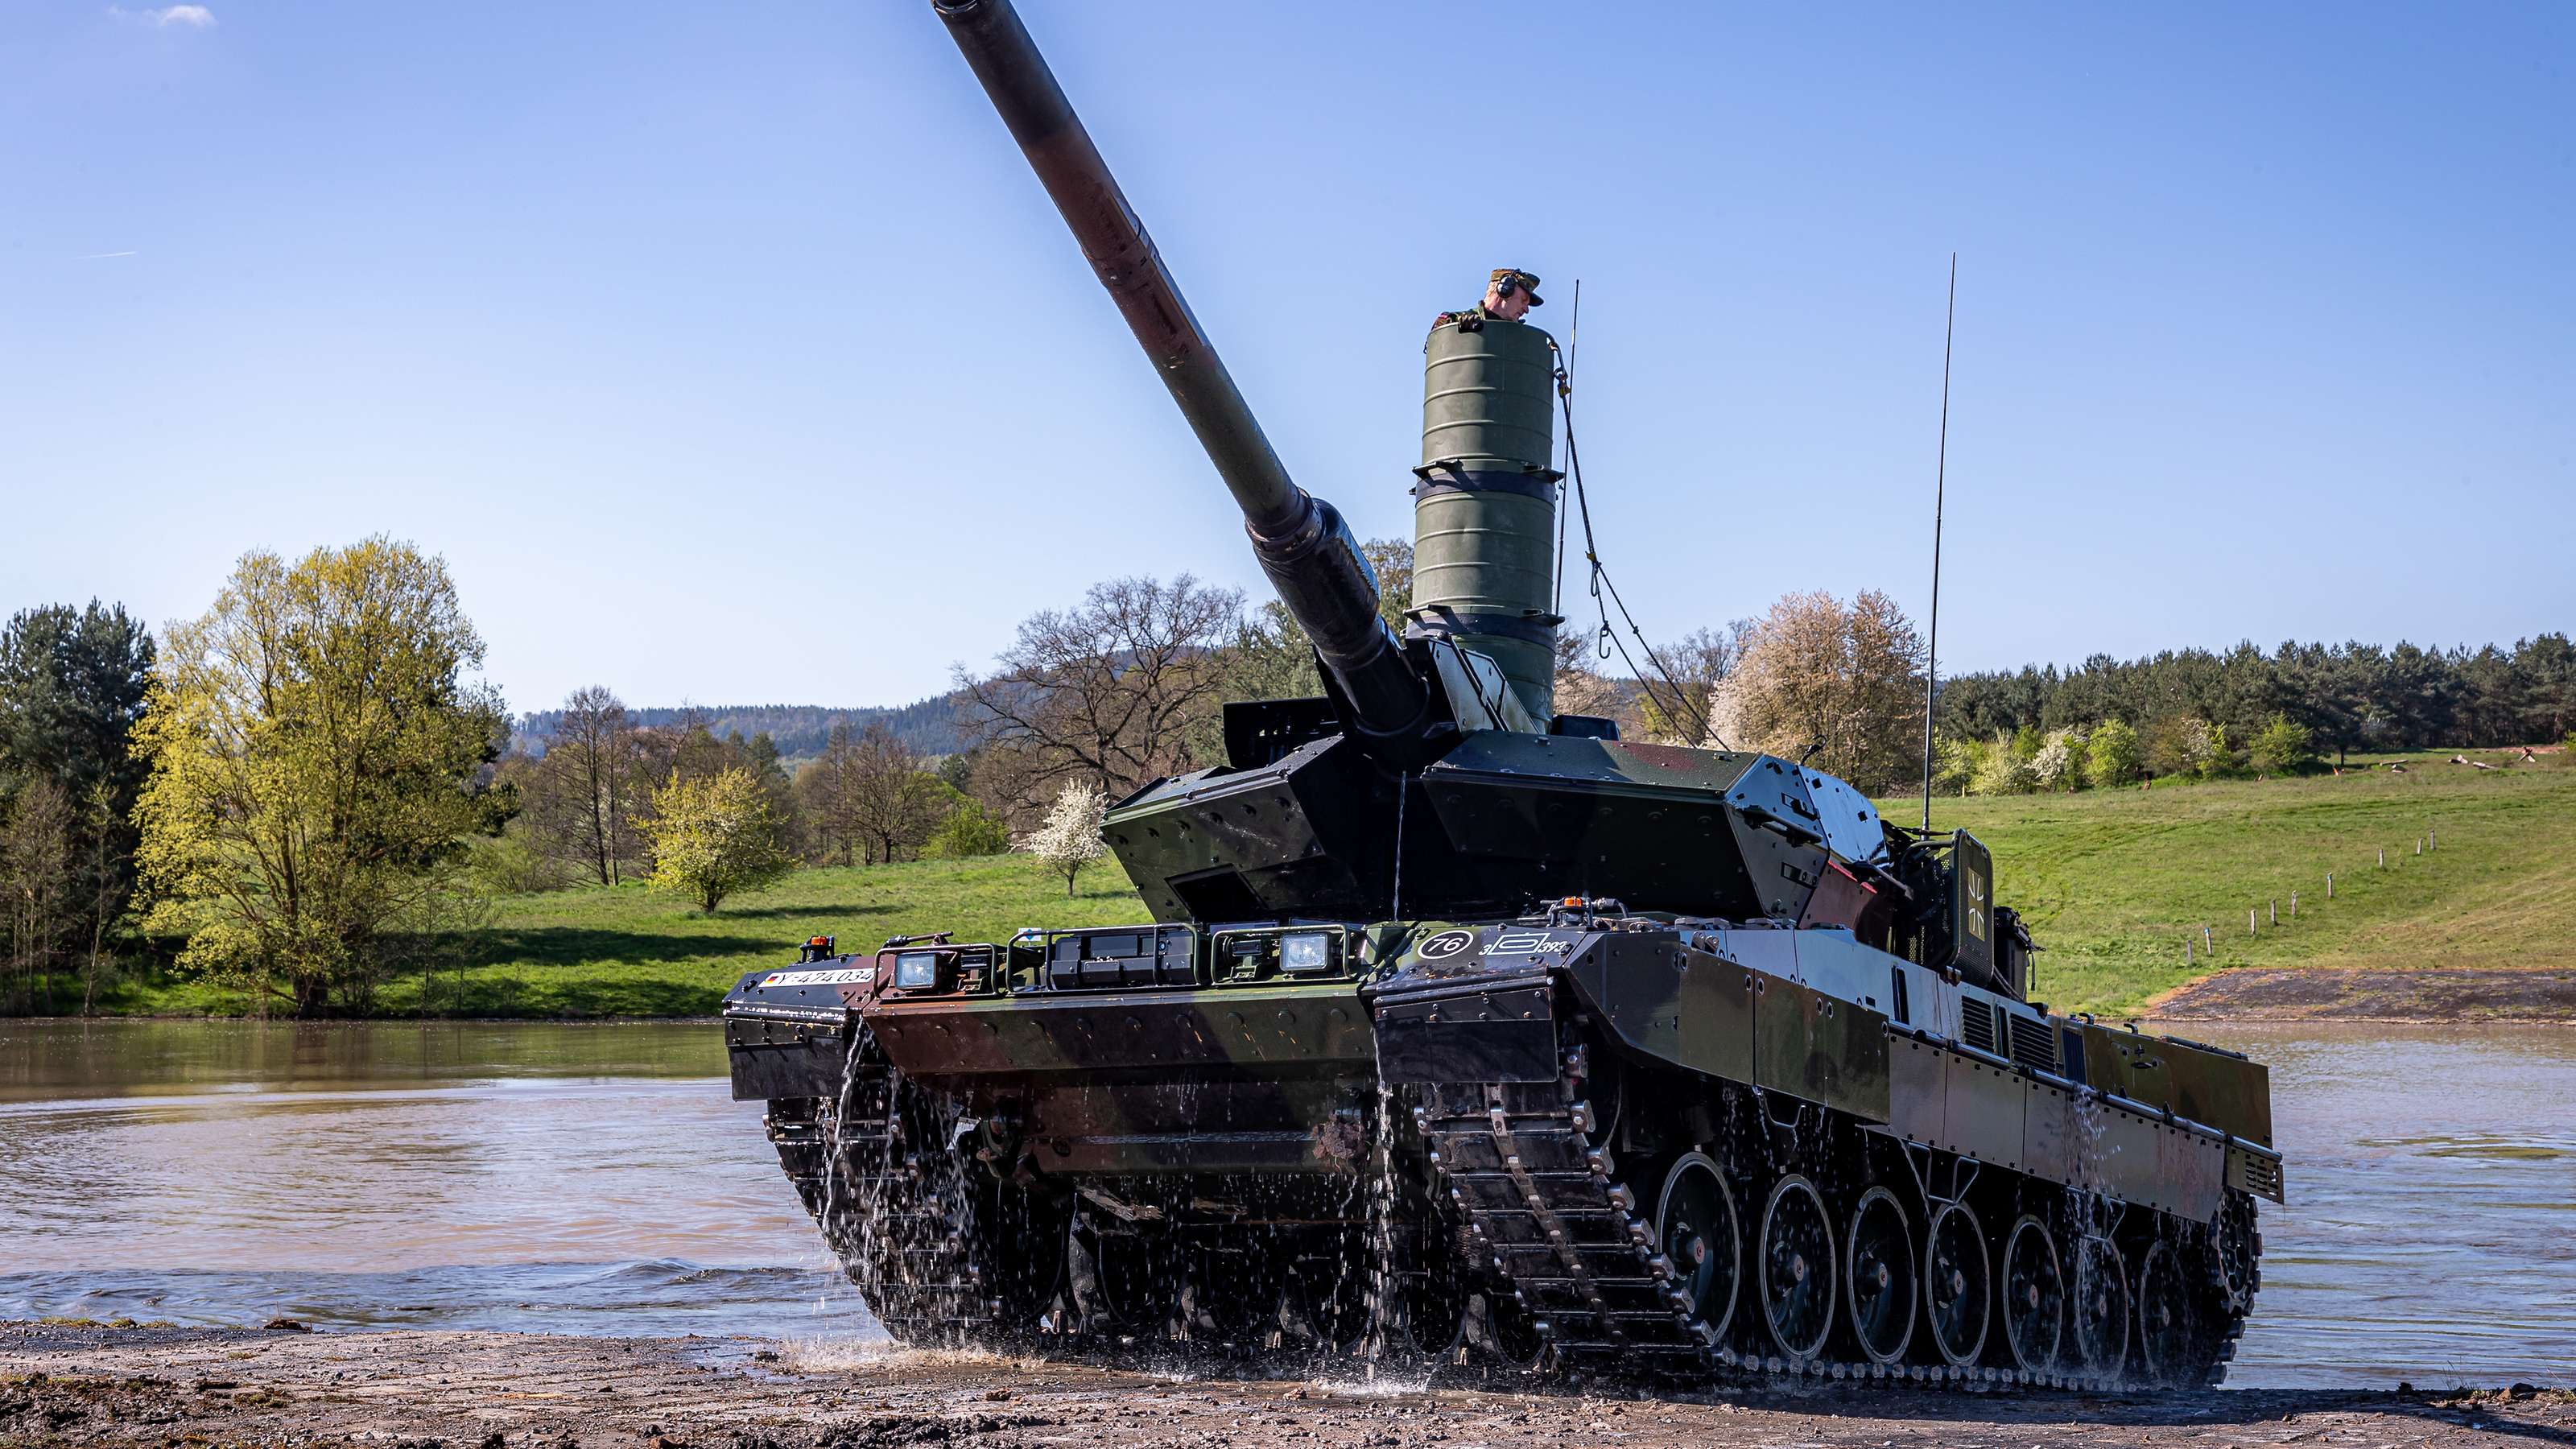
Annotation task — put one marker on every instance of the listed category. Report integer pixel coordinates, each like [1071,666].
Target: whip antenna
[1940,488]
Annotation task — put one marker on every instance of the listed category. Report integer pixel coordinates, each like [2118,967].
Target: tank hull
[1546,1147]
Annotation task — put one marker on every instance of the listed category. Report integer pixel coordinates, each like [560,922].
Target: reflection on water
[597,1179]
[572,1178]
[2431,1231]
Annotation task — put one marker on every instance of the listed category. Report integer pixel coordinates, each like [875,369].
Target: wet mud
[2324,993]
[413,1390]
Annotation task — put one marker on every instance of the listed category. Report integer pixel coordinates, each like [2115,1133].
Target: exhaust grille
[1977,1025]
[2033,1044]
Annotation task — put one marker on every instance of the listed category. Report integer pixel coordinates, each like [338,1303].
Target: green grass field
[2112,882]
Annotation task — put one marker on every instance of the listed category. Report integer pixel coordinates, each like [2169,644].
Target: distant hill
[934,726]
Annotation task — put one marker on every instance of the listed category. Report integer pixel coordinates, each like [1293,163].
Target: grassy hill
[2112,882]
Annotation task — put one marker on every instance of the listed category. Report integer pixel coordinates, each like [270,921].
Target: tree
[316,754]
[893,803]
[2280,747]
[969,830]
[714,837]
[1070,837]
[828,786]
[2111,755]
[1110,690]
[1678,698]
[590,764]
[37,858]
[72,685]
[2059,765]
[1814,672]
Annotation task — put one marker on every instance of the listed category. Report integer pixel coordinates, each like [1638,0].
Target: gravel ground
[180,1388]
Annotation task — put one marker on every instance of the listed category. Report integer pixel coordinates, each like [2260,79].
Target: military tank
[1466,1032]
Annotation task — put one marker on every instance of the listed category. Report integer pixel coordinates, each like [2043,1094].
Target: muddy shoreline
[86,1384]
[2252,995]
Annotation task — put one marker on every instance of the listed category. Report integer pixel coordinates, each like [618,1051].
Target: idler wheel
[2101,1306]
[2171,1336]
[1696,1232]
[1956,1284]
[1797,1262]
[1880,1276]
[2034,1296]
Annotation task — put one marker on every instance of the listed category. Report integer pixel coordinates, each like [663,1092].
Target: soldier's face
[1511,306]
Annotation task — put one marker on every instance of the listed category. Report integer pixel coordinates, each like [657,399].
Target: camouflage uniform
[1473,319]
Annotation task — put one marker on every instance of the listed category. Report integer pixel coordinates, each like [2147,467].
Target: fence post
[2206,949]
[2329,885]
[2276,911]
[2249,921]
[2383,856]
[2294,905]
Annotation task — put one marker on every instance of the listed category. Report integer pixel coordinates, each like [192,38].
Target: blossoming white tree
[1070,837]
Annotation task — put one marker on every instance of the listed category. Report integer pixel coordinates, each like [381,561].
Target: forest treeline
[307,791]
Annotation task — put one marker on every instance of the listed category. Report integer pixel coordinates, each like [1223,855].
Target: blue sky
[730,354]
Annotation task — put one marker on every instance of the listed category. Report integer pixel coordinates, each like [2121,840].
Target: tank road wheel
[2173,1339]
[2101,1307]
[2034,1296]
[1880,1275]
[1433,1302]
[1509,1333]
[1121,1282]
[1696,1232]
[1797,1261]
[1230,1296]
[1328,1294]
[1956,1285]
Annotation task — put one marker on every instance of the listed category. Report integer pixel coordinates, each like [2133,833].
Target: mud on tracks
[179,1388]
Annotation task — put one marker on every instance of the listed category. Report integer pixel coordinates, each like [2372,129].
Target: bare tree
[1108,691]
[1679,691]
[826,786]
[893,803]
[36,873]
[589,771]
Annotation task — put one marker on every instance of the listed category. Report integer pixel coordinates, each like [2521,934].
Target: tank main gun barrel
[1302,543]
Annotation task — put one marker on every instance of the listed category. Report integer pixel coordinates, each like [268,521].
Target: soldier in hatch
[1508,295]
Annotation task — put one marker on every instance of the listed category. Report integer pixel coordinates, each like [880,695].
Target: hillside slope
[2113,882]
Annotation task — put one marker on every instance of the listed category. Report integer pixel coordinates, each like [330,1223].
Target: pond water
[597,1179]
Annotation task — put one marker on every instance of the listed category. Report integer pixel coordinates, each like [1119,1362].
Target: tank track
[1576,1284]
[914,1227]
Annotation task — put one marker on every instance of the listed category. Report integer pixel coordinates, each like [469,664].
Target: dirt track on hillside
[174,1389]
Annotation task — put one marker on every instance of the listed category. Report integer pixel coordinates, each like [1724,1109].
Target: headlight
[1312,951]
[914,970]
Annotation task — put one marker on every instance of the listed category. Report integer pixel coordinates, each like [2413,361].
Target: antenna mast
[1940,490]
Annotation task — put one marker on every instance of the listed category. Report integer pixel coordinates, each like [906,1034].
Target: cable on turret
[1601,579]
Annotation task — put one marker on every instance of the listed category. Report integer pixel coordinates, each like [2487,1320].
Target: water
[597,1179]
[2431,1230]
[540,1177]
